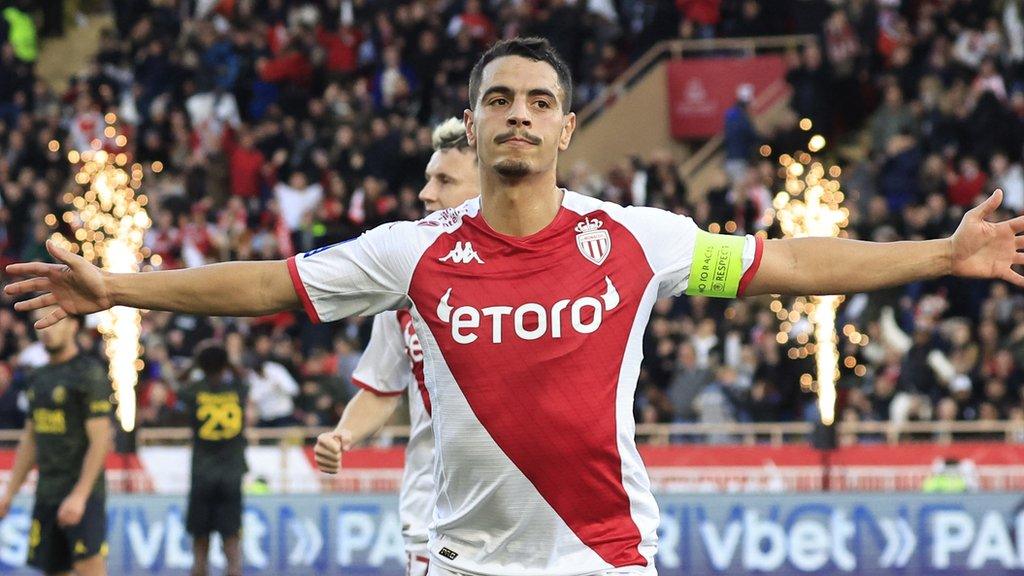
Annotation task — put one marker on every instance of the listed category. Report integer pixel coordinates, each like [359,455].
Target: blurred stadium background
[262,128]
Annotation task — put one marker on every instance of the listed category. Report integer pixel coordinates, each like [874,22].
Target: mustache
[513,134]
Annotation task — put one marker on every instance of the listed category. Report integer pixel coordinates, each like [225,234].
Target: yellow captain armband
[717,265]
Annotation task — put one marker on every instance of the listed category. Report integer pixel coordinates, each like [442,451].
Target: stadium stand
[269,128]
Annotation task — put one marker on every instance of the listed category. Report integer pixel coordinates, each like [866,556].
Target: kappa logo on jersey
[594,243]
[463,253]
[530,321]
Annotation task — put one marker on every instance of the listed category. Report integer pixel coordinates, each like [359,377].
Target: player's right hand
[74,284]
[329,448]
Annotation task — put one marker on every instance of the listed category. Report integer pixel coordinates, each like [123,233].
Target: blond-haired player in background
[393,363]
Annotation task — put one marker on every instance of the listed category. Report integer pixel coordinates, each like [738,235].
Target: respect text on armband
[721,269]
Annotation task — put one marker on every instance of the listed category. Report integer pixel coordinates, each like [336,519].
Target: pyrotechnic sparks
[108,223]
[811,205]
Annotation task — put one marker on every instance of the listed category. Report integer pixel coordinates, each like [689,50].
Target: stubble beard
[512,169]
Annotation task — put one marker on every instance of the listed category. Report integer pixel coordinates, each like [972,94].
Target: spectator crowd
[267,128]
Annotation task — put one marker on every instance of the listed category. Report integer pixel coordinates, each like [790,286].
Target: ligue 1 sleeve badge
[594,242]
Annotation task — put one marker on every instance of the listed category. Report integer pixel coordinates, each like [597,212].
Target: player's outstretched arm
[978,249]
[364,415]
[79,287]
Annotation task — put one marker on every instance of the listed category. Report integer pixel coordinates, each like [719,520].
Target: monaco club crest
[594,242]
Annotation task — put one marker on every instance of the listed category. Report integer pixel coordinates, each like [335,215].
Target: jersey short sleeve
[360,277]
[384,367]
[686,258]
[97,390]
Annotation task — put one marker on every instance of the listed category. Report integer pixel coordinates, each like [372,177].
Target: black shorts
[54,548]
[215,505]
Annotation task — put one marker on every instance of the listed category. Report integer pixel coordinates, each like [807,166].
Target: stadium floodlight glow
[811,205]
[108,222]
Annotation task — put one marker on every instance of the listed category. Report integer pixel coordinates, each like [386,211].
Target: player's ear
[467,119]
[568,127]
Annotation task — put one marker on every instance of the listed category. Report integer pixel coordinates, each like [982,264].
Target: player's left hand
[982,249]
[71,510]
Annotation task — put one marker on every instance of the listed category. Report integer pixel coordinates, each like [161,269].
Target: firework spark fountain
[811,205]
[107,223]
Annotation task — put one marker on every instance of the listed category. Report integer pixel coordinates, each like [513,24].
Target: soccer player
[530,304]
[68,433]
[215,402]
[393,363]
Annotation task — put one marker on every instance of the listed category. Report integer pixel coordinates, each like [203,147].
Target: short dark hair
[211,358]
[536,49]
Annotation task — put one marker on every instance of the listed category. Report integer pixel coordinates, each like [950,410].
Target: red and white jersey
[392,364]
[531,352]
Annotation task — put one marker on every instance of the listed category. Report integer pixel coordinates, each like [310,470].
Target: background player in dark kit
[215,402]
[68,434]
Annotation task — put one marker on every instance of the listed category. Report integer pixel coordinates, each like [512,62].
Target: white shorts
[417,563]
